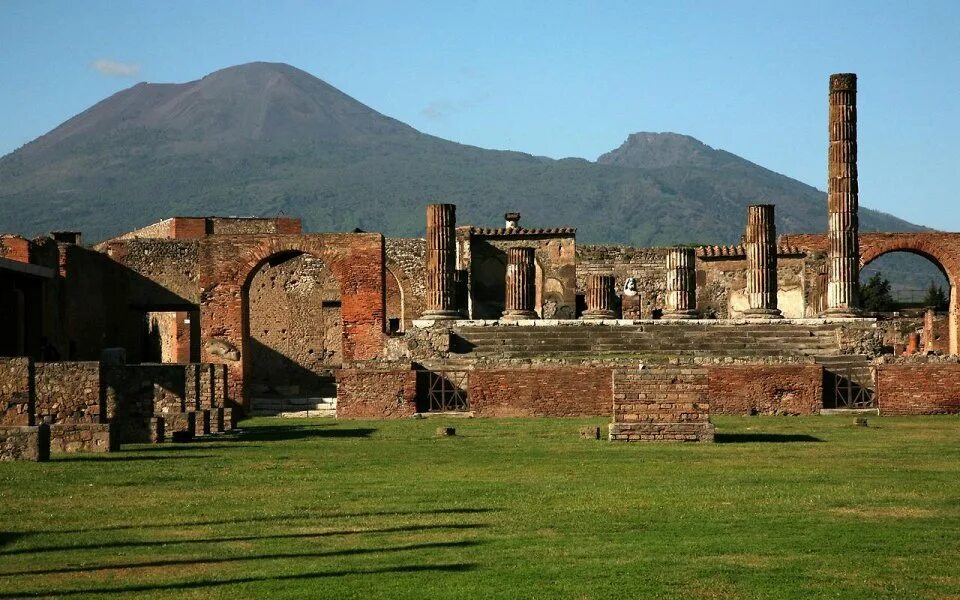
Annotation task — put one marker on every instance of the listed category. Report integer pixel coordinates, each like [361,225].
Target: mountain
[264,139]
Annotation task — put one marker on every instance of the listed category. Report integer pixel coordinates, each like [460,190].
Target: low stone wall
[918,388]
[69,392]
[791,389]
[16,397]
[367,394]
[82,437]
[540,392]
[25,443]
[661,404]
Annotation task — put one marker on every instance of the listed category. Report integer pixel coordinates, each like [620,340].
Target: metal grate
[447,391]
[847,391]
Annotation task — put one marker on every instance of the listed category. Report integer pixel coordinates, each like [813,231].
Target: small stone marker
[860,422]
[446,431]
[590,433]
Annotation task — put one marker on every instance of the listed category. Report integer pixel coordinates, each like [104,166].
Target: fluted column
[681,284]
[843,259]
[441,262]
[761,246]
[600,291]
[521,284]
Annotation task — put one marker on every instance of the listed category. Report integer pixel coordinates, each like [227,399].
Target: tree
[875,294]
[935,297]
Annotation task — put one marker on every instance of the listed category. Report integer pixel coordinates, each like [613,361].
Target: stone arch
[395,301]
[228,263]
[936,248]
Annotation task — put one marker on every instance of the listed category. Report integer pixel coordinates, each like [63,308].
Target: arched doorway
[396,317]
[916,280]
[293,333]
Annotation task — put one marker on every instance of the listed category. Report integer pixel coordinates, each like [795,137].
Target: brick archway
[942,249]
[228,264]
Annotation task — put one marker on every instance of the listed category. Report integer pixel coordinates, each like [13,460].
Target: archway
[293,333]
[911,271]
[395,305]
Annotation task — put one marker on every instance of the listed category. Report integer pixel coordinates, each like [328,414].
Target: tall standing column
[843,259]
[441,257]
[600,291]
[521,284]
[681,284]
[761,246]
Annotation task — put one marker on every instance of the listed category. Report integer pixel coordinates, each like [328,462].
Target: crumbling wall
[69,392]
[769,389]
[364,393]
[664,404]
[16,396]
[406,285]
[918,387]
[540,391]
[295,326]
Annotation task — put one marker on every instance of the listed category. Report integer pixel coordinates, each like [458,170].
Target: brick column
[600,291]
[761,246]
[843,259]
[681,284]
[521,284]
[441,262]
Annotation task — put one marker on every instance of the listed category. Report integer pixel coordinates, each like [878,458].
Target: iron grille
[447,391]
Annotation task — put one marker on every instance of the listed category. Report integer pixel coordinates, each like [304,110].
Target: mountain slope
[265,139]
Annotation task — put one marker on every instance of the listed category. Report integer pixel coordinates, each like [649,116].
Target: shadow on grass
[240,538]
[126,458]
[768,438]
[262,519]
[192,585]
[233,559]
[9,537]
[300,432]
[196,444]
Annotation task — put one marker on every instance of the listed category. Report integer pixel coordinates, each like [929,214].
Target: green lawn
[515,508]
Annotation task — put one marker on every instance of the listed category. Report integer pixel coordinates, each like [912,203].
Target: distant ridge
[267,138]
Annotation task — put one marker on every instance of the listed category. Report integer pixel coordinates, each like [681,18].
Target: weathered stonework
[25,443]
[600,292]
[760,242]
[667,404]
[681,284]
[441,262]
[842,198]
[520,284]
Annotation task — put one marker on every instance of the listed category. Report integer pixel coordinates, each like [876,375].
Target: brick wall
[556,392]
[16,398]
[366,394]
[661,404]
[69,392]
[14,247]
[766,389]
[82,437]
[918,389]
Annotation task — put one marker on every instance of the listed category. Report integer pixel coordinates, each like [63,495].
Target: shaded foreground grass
[515,508]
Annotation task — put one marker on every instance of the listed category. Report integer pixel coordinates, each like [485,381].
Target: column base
[678,315]
[841,313]
[762,313]
[517,315]
[441,315]
[598,314]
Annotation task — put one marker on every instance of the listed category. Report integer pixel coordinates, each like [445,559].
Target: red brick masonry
[765,389]
[920,389]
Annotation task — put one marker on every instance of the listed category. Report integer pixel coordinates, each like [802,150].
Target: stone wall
[69,392]
[83,437]
[537,392]
[376,394]
[918,388]
[406,292]
[482,252]
[766,389]
[25,443]
[295,326]
[16,394]
[668,404]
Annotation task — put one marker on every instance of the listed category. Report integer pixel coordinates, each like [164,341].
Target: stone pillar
[761,246]
[441,262]
[600,291]
[843,259]
[681,284]
[521,284]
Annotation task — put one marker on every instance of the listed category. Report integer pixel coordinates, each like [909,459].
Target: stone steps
[314,406]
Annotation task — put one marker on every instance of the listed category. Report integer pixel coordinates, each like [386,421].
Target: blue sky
[553,78]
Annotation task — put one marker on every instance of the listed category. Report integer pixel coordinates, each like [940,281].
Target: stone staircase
[648,341]
[280,406]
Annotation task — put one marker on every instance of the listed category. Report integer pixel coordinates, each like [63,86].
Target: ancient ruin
[181,327]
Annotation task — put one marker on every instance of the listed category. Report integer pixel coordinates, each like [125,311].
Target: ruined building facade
[188,323]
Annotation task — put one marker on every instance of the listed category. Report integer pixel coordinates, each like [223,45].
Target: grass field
[519,508]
